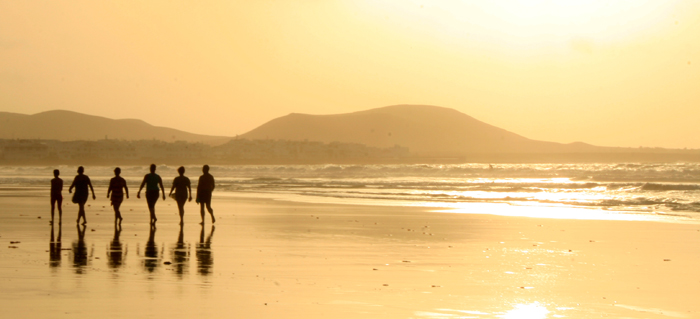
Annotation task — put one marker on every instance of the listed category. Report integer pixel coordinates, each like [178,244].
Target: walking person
[205,187]
[117,188]
[81,182]
[153,183]
[183,191]
[56,196]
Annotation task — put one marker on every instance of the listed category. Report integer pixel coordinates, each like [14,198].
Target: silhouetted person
[181,253]
[205,187]
[115,254]
[152,182]
[55,248]
[117,188]
[56,196]
[183,191]
[81,183]
[150,252]
[80,251]
[205,260]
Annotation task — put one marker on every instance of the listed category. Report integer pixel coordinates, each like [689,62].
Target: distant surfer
[183,191]
[117,188]
[81,183]
[56,196]
[205,187]
[153,183]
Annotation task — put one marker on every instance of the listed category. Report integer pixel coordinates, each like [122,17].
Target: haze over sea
[659,191]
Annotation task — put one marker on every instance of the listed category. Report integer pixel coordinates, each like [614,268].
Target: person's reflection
[116,252]
[181,254]
[80,251]
[55,248]
[205,260]
[150,261]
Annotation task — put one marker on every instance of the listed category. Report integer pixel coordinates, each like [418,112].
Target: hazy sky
[616,73]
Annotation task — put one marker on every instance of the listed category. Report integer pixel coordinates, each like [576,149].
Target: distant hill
[68,126]
[431,134]
[425,130]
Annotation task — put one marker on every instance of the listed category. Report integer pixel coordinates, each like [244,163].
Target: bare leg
[53,207]
[211,212]
[81,213]
[60,210]
[117,213]
[152,210]
[181,210]
[201,211]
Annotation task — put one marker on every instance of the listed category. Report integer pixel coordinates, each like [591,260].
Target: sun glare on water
[526,311]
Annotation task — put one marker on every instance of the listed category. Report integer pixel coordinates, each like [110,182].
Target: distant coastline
[397,134]
[236,151]
[261,152]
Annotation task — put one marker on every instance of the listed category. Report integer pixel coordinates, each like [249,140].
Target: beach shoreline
[272,258]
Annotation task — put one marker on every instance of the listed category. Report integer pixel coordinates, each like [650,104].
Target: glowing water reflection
[526,311]
[520,311]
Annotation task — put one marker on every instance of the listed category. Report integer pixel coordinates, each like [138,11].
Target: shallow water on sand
[101,270]
[272,259]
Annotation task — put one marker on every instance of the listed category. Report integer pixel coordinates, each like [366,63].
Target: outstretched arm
[138,194]
[162,189]
[92,190]
[172,188]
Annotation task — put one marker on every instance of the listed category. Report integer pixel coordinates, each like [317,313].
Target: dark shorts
[204,197]
[117,199]
[152,197]
[56,198]
[80,198]
[180,198]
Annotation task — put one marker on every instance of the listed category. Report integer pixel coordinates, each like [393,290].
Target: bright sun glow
[526,22]
[529,311]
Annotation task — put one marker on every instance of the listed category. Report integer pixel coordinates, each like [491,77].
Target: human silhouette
[183,191]
[55,248]
[117,188]
[150,252]
[80,251]
[205,187]
[181,254]
[205,260]
[56,196]
[116,252]
[81,183]
[152,182]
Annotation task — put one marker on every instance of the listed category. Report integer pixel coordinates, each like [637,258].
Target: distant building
[237,150]
[25,150]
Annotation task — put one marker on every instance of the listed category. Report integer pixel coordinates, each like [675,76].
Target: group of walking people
[181,191]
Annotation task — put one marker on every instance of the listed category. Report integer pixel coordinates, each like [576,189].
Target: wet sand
[274,259]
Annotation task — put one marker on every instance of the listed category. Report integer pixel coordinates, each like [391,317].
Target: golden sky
[612,73]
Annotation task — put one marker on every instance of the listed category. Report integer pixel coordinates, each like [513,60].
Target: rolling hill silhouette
[69,126]
[425,130]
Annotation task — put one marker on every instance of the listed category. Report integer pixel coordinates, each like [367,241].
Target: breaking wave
[653,188]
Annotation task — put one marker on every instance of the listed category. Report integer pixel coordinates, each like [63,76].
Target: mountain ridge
[424,129]
[427,131]
[61,125]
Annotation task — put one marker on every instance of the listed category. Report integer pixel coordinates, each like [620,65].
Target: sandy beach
[275,259]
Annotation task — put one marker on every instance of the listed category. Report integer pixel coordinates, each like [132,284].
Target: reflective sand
[275,259]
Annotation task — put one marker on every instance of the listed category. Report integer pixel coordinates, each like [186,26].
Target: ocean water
[661,189]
